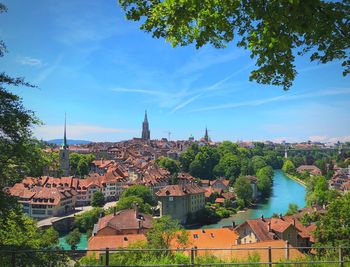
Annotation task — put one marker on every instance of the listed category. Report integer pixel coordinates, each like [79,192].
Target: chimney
[269,226]
[233,224]
[114,210]
[136,208]
[280,216]
[262,217]
[294,221]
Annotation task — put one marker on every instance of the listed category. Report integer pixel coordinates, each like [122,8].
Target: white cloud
[35,62]
[74,131]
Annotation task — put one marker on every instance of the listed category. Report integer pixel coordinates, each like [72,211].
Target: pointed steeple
[146,135]
[145,119]
[206,136]
[65,145]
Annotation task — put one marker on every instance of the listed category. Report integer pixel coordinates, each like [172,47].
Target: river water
[284,191]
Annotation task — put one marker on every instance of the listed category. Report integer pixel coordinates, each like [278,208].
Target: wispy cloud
[258,102]
[34,62]
[206,58]
[76,131]
[224,80]
[42,76]
[185,103]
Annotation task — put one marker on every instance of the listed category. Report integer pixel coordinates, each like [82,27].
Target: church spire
[146,134]
[145,119]
[206,136]
[65,145]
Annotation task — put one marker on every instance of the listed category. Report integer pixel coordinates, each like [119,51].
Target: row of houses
[120,229]
[47,196]
[341,179]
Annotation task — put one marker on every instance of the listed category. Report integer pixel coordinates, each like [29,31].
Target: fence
[13,258]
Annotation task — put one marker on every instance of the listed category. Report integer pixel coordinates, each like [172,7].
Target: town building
[124,222]
[206,241]
[311,169]
[287,228]
[41,201]
[178,201]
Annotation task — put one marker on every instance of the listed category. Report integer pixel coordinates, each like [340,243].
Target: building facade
[179,201]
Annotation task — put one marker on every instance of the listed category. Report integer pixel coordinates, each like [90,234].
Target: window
[195,236]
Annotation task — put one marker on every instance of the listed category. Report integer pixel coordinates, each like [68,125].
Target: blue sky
[100,69]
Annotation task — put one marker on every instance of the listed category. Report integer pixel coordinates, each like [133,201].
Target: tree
[258,163]
[318,192]
[98,199]
[227,147]
[274,31]
[188,156]
[86,220]
[264,185]
[243,190]
[246,167]
[80,163]
[204,162]
[73,238]
[19,232]
[292,209]
[288,167]
[129,202]
[333,229]
[169,164]
[165,231]
[140,191]
[83,167]
[228,166]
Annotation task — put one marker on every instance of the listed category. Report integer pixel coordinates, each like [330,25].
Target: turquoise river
[284,191]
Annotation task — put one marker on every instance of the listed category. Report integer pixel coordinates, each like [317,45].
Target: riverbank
[293,177]
[285,190]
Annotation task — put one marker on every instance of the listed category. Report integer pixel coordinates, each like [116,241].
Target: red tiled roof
[125,219]
[180,190]
[112,242]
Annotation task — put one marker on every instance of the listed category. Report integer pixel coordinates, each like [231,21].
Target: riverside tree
[274,32]
[73,238]
[243,190]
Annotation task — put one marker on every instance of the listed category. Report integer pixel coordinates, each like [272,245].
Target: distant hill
[69,141]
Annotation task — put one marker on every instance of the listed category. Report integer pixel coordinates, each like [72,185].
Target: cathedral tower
[64,153]
[146,135]
[206,135]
